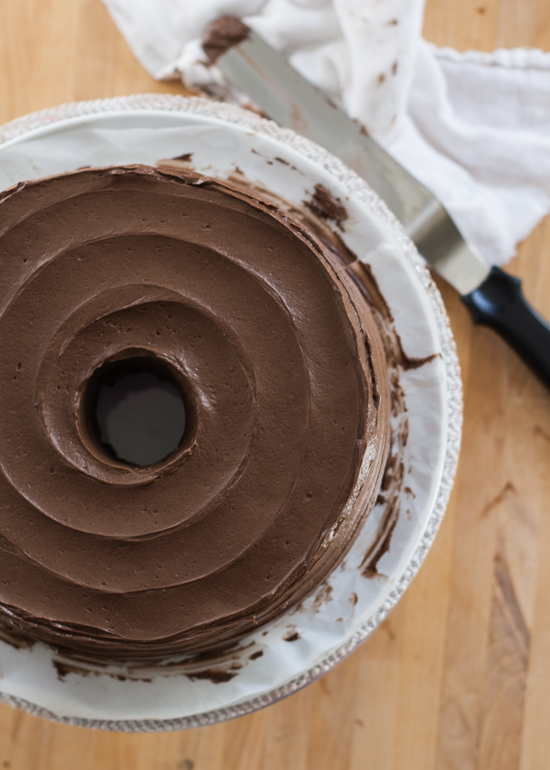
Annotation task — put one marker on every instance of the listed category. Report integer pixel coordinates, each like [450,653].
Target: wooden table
[458,677]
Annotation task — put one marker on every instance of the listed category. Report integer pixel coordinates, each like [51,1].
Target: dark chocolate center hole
[135,410]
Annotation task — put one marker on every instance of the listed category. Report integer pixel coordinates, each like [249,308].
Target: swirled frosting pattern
[286,385]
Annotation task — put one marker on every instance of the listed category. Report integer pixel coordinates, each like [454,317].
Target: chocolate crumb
[256,655]
[370,572]
[216,676]
[292,637]
[326,206]
[324,596]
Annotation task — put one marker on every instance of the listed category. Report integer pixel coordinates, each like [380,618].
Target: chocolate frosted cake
[282,372]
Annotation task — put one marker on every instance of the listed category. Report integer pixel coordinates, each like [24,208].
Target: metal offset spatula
[493,297]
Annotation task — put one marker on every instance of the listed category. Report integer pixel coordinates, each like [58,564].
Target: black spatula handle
[499,303]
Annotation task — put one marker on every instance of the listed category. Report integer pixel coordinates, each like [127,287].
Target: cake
[277,356]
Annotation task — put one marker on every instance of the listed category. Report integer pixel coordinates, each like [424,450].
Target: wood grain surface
[458,677]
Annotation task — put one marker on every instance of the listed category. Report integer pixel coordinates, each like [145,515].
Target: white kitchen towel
[473,127]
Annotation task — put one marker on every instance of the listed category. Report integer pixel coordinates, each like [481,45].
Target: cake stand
[277,660]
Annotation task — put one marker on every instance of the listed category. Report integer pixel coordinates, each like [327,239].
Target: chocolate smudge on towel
[221,35]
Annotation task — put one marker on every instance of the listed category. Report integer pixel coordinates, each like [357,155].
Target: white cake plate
[304,644]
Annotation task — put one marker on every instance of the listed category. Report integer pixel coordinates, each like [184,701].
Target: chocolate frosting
[288,411]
